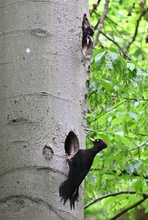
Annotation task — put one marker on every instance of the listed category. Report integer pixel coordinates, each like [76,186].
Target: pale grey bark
[43,87]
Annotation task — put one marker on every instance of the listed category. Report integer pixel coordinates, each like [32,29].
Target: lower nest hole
[71,144]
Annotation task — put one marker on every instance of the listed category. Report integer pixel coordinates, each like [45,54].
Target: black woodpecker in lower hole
[79,166]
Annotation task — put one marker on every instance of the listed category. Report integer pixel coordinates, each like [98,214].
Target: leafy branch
[122,172]
[107,111]
[115,42]
[130,207]
[145,196]
[143,134]
[136,29]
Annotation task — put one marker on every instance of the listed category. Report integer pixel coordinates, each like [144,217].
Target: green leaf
[107,85]
[118,120]
[120,133]
[133,115]
[129,168]
[92,87]
[113,55]
[99,59]
[130,66]
[138,184]
[137,165]
[90,177]
[127,141]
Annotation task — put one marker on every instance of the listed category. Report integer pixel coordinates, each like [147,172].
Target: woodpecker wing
[79,167]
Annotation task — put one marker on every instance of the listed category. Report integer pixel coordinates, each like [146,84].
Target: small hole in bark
[71,144]
[87,83]
[85,96]
[48,152]
[88,68]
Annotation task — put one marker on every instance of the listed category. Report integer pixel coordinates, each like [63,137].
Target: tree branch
[129,208]
[110,109]
[108,195]
[135,99]
[101,22]
[120,48]
[136,29]
[122,173]
[145,195]
[142,134]
[95,5]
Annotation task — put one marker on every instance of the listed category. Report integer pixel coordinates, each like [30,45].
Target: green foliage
[118,109]
[118,106]
[122,21]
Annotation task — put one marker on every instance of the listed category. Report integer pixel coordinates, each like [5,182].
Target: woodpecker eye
[97,140]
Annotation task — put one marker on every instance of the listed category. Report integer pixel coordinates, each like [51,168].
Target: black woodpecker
[79,166]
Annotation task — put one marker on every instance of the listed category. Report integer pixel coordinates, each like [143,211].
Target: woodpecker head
[99,143]
[89,31]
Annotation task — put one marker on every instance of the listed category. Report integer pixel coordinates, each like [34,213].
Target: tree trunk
[43,91]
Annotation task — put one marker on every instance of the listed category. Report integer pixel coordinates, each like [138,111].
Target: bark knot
[48,152]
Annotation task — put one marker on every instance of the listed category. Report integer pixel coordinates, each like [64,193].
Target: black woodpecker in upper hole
[79,166]
[87,34]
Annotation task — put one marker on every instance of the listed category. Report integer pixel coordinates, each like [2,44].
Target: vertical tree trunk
[42,98]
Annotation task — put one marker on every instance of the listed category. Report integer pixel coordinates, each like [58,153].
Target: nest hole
[71,144]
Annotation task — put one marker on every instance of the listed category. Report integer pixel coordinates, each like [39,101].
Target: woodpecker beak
[91,139]
[87,40]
